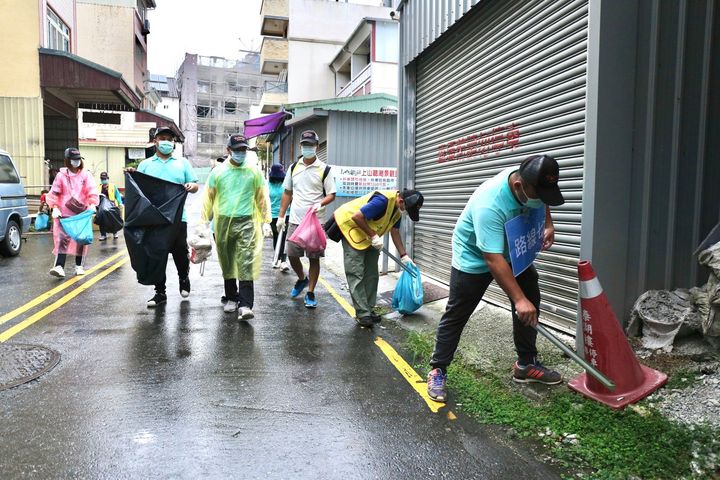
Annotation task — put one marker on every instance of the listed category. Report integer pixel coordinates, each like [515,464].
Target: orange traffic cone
[607,348]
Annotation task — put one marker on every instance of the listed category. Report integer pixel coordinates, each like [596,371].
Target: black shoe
[366,322]
[158,299]
[185,287]
[376,318]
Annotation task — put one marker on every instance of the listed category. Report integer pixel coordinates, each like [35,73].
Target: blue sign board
[525,235]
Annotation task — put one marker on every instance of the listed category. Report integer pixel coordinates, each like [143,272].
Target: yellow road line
[10,332]
[409,373]
[343,303]
[41,298]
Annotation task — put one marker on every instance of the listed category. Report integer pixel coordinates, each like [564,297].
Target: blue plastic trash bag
[42,222]
[408,295]
[79,227]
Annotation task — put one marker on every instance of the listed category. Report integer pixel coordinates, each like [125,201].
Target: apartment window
[58,34]
[230,107]
[203,87]
[203,111]
[205,137]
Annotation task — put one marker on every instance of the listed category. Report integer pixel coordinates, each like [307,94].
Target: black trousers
[466,291]
[61,258]
[241,291]
[181,256]
[273,225]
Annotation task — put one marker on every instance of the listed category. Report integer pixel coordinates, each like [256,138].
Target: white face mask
[75,163]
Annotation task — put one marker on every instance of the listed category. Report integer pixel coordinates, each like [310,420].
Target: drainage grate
[21,363]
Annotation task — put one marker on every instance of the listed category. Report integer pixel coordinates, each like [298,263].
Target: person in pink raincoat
[73,191]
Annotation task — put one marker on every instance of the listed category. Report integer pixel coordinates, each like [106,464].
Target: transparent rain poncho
[236,199]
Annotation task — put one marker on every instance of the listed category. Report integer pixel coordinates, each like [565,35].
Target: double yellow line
[15,329]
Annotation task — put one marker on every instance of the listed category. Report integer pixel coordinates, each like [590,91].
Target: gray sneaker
[436,388]
[230,307]
[535,372]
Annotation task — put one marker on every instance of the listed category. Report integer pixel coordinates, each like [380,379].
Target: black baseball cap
[543,173]
[237,141]
[104,175]
[309,136]
[413,201]
[165,130]
[73,154]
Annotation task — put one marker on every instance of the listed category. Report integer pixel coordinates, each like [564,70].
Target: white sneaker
[102,238]
[276,264]
[284,267]
[79,270]
[57,271]
[230,307]
[245,314]
[115,235]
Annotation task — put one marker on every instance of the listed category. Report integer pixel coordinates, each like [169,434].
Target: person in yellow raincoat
[236,198]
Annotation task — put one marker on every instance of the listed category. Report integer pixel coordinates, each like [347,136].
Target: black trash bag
[153,215]
[108,216]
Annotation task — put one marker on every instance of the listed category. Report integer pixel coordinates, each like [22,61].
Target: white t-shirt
[305,182]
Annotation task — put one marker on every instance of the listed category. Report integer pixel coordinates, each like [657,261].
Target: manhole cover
[21,363]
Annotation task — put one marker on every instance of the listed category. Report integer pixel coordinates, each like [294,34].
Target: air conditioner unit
[146,27]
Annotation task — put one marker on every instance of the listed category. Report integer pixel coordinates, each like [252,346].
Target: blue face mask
[104,182]
[308,151]
[166,147]
[238,157]
[531,202]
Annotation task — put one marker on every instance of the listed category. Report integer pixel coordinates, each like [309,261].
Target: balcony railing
[360,79]
[275,87]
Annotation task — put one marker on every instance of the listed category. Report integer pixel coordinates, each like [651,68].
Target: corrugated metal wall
[361,139]
[676,165]
[507,83]
[425,20]
[22,135]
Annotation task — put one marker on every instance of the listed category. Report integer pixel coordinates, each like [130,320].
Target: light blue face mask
[238,157]
[531,202]
[308,151]
[166,147]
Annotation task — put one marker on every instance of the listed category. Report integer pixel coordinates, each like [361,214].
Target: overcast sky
[208,27]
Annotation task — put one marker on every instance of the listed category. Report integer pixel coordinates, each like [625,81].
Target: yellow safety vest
[111,191]
[354,234]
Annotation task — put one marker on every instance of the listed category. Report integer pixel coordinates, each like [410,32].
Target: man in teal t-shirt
[177,170]
[481,255]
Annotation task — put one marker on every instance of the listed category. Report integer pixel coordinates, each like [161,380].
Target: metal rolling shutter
[322,152]
[507,67]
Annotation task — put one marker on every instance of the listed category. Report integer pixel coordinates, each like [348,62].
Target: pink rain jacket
[82,187]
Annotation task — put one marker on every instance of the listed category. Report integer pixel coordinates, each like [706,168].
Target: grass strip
[583,436]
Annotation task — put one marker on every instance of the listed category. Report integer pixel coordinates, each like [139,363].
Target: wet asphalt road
[187,391]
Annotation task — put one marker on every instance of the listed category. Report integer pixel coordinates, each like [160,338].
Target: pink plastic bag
[309,235]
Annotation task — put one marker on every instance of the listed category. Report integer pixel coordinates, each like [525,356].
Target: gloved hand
[267,231]
[316,207]
[280,224]
[376,242]
[56,212]
[406,260]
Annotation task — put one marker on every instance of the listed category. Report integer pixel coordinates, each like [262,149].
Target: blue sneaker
[310,301]
[299,287]
[436,385]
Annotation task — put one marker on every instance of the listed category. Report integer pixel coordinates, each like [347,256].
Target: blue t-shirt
[481,226]
[176,170]
[276,192]
[375,208]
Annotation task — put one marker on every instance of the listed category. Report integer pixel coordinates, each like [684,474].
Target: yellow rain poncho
[236,198]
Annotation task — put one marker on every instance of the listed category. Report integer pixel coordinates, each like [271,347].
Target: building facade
[215,97]
[619,92]
[300,40]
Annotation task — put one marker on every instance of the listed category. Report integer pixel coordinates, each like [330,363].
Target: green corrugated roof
[364,103]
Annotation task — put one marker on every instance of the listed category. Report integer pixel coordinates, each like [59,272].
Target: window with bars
[58,34]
